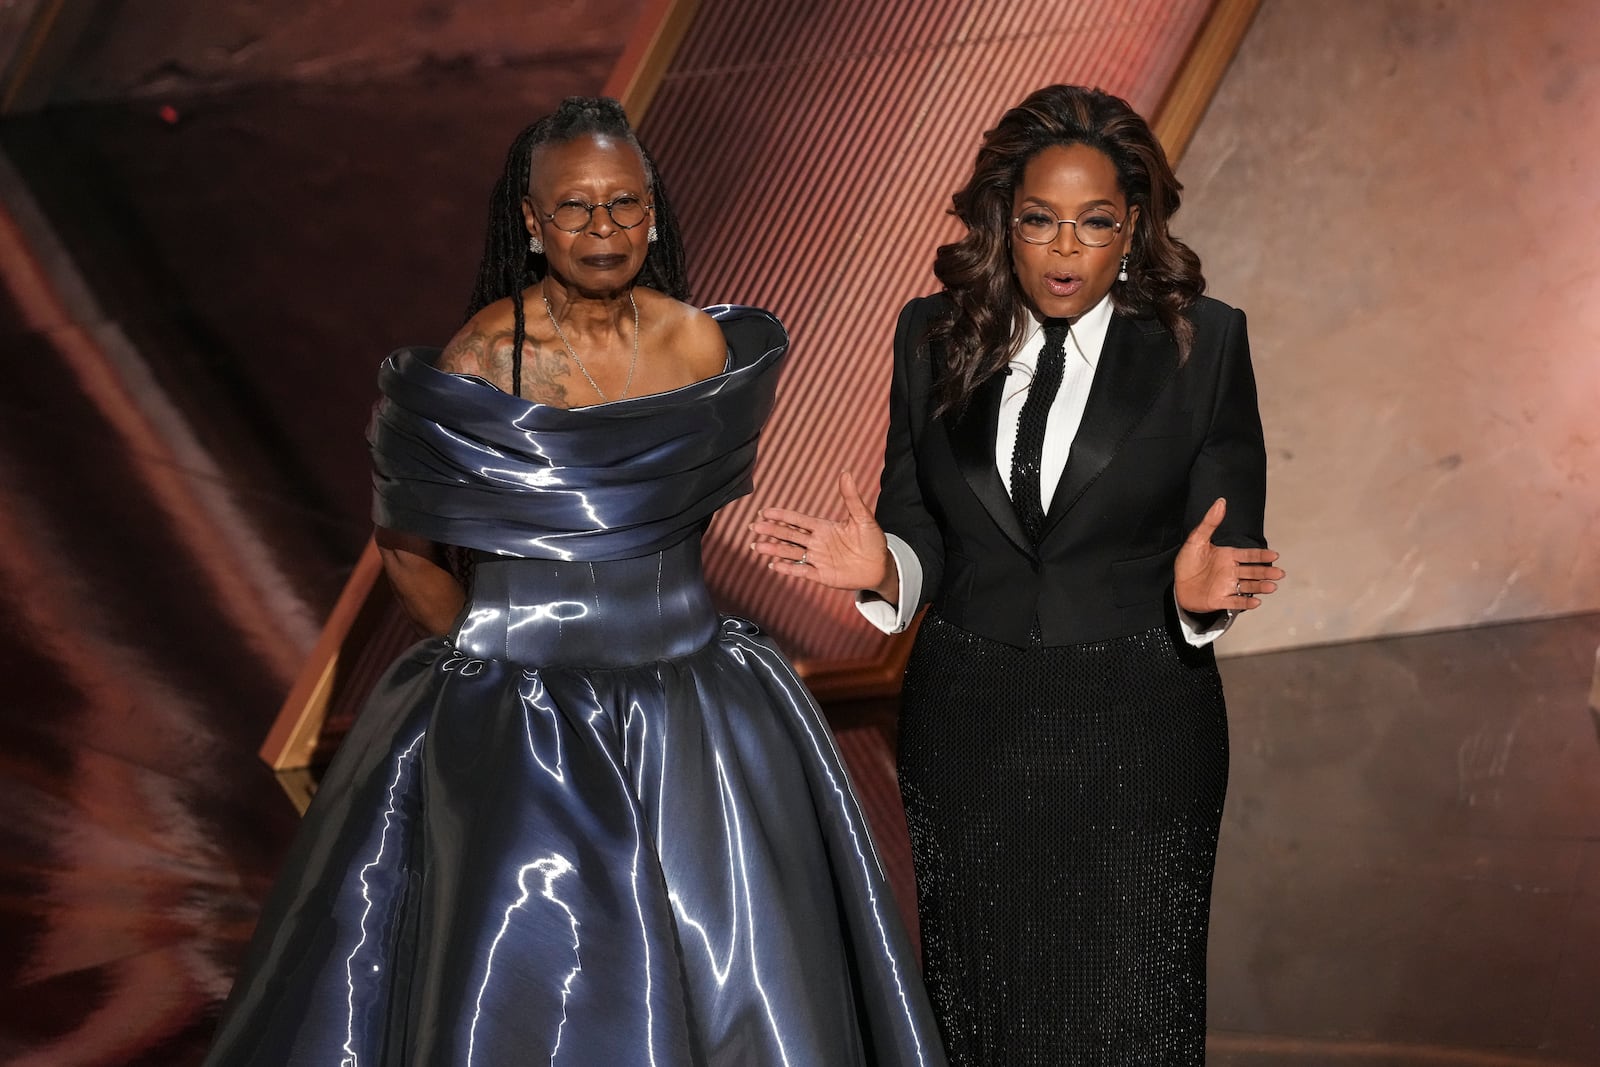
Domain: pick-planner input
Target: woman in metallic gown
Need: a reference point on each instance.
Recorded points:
(589, 821)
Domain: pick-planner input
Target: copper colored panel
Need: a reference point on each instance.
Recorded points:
(811, 150)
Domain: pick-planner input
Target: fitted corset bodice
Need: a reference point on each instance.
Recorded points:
(578, 613)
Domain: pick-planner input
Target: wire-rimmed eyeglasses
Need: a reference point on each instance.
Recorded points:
(1095, 227)
(574, 216)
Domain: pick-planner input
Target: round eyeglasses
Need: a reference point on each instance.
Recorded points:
(574, 215)
(1038, 225)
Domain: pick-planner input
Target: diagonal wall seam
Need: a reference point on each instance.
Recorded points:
(183, 479)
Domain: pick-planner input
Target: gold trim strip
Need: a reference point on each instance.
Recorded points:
(1203, 68)
(648, 53)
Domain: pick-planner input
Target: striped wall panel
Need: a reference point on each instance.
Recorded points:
(810, 149)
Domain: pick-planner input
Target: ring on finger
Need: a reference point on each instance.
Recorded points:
(1237, 589)
(804, 552)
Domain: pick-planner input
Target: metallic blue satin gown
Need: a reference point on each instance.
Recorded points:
(598, 823)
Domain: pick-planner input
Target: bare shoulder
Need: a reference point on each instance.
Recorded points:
(483, 346)
(692, 336)
(703, 343)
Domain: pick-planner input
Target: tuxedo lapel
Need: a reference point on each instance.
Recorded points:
(1136, 364)
(972, 439)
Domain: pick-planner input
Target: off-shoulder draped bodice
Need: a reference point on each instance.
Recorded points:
(459, 462)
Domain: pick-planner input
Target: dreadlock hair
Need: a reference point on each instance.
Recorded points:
(508, 266)
(981, 328)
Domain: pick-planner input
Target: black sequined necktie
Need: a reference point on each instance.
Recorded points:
(1026, 457)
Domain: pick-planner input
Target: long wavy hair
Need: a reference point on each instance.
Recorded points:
(981, 331)
(508, 266)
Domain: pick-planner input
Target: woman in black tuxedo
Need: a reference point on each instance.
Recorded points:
(1074, 483)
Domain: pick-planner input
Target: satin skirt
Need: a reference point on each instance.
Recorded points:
(597, 825)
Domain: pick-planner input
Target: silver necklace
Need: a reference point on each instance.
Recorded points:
(633, 363)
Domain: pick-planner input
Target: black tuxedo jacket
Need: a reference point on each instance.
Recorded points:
(1158, 443)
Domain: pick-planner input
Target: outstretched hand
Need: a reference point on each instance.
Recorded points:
(1210, 577)
(848, 553)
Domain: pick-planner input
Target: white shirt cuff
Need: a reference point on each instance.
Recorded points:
(894, 618)
(1192, 632)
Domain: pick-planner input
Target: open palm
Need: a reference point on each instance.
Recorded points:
(847, 553)
(1210, 577)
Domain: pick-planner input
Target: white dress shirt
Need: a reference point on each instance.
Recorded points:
(1084, 343)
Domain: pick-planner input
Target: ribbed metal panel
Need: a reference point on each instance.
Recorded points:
(811, 149)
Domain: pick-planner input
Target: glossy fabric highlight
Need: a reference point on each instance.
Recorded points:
(459, 462)
(599, 824)
(605, 613)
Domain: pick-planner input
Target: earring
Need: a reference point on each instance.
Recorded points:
(1122, 275)
(536, 246)
(651, 234)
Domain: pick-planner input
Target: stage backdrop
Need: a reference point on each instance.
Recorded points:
(127, 48)
(1403, 196)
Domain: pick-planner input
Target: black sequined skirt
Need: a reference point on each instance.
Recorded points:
(1064, 805)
